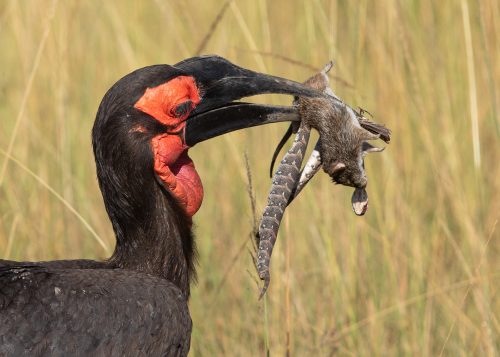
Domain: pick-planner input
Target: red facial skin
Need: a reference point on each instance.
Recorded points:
(171, 161)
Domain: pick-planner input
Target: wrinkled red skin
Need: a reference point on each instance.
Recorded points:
(174, 167)
(171, 161)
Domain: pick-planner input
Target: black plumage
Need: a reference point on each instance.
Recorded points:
(134, 303)
(73, 312)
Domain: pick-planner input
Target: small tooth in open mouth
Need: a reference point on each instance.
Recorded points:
(359, 201)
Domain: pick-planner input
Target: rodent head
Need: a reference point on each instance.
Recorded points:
(343, 147)
(344, 136)
(347, 174)
(349, 170)
(344, 161)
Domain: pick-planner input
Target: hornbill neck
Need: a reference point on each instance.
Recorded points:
(144, 125)
(159, 243)
(153, 233)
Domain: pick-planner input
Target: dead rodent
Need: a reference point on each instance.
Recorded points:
(340, 150)
(343, 141)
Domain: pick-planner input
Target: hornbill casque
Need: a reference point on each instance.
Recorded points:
(136, 302)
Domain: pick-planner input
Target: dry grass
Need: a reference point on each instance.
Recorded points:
(416, 276)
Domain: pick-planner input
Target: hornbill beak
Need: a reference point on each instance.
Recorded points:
(221, 83)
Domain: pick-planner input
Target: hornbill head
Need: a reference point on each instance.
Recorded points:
(150, 118)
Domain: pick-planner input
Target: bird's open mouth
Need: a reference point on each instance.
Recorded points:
(200, 104)
(234, 116)
(221, 83)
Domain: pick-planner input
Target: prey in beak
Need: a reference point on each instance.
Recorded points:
(340, 150)
(199, 101)
(221, 83)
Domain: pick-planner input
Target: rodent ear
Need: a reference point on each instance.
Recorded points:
(366, 147)
(337, 167)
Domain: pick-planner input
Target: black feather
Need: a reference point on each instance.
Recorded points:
(134, 303)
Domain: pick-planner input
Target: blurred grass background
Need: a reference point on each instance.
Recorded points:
(419, 275)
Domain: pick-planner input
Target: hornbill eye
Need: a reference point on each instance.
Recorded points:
(197, 100)
(182, 109)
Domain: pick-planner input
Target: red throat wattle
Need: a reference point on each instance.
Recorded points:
(170, 103)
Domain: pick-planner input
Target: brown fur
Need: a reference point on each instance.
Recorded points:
(341, 138)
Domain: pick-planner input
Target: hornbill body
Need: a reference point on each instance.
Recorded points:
(135, 303)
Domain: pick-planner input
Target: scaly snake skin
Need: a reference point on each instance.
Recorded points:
(282, 190)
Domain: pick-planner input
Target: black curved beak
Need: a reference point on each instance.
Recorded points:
(221, 83)
(226, 119)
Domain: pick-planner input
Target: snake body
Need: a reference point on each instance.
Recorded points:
(282, 191)
(340, 151)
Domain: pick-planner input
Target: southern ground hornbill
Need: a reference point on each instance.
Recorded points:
(135, 303)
